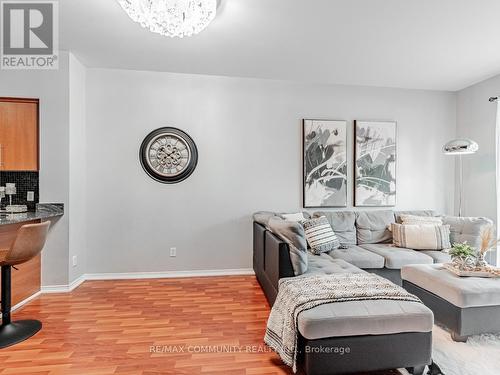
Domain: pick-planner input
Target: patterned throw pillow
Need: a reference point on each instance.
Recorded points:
(320, 235)
(421, 237)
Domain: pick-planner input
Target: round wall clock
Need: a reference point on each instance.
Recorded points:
(168, 155)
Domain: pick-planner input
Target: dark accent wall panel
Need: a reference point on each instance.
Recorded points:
(25, 181)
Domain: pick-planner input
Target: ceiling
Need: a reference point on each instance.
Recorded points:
(423, 44)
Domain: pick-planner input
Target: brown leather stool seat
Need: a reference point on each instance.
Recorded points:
(27, 244)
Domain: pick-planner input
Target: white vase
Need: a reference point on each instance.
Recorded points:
(481, 261)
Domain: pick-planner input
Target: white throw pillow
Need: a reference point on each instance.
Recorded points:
(299, 216)
(421, 237)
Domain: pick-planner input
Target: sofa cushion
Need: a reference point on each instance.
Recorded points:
(373, 226)
(358, 318)
(359, 257)
(324, 264)
(397, 257)
(343, 224)
(466, 229)
(427, 213)
(438, 256)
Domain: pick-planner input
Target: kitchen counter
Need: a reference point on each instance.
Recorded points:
(43, 211)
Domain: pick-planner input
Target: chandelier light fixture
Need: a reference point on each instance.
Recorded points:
(173, 18)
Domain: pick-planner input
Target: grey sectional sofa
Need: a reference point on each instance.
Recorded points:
(368, 241)
(380, 334)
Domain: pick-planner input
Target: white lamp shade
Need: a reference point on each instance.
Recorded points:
(462, 146)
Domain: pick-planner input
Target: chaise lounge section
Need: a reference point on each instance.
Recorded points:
(358, 336)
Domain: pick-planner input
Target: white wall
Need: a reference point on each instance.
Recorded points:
(51, 87)
(249, 137)
(248, 133)
(476, 120)
(77, 209)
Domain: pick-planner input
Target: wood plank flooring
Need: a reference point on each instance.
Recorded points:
(148, 327)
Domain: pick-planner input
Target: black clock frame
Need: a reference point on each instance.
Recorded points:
(165, 179)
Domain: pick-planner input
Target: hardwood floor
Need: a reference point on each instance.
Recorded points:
(160, 326)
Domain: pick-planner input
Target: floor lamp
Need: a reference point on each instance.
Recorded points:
(460, 147)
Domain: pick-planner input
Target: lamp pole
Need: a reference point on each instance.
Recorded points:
(461, 182)
(460, 147)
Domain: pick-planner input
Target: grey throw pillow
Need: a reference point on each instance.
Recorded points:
(292, 233)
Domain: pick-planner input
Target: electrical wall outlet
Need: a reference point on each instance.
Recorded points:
(173, 251)
(30, 196)
(75, 260)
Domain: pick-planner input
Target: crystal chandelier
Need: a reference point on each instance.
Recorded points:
(174, 18)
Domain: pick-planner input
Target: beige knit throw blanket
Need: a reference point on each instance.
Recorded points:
(299, 294)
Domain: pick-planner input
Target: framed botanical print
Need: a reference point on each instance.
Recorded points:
(324, 163)
(375, 164)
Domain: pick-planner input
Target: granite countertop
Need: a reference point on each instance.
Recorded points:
(43, 211)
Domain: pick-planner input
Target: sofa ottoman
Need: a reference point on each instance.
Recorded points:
(359, 336)
(466, 305)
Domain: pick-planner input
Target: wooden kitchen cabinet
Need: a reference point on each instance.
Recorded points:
(19, 134)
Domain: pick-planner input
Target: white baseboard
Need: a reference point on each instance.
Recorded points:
(64, 288)
(25, 301)
(168, 274)
(134, 275)
(144, 275)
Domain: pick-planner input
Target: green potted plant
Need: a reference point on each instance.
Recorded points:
(463, 256)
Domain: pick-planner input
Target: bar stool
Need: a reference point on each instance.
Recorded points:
(28, 243)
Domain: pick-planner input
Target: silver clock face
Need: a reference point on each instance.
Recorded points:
(168, 154)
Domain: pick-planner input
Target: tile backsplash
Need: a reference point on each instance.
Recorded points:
(25, 182)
